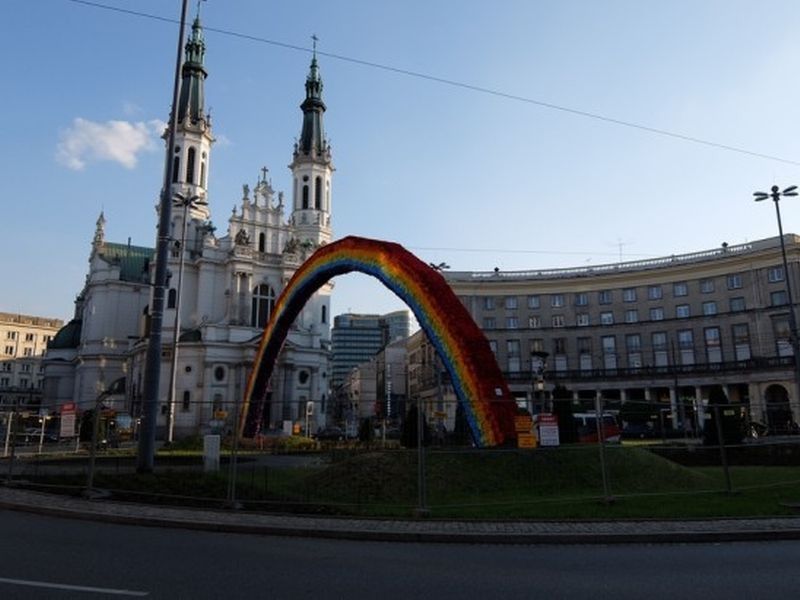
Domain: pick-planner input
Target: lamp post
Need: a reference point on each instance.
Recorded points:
(538, 366)
(145, 457)
(179, 200)
(775, 194)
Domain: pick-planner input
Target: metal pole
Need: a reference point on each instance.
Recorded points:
(231, 500)
(152, 373)
(12, 417)
(41, 433)
(422, 509)
(93, 448)
(8, 433)
(173, 372)
(792, 317)
(602, 447)
(722, 454)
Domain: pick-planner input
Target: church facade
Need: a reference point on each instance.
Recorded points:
(222, 288)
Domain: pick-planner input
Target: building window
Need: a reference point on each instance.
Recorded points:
(5, 381)
(604, 297)
(187, 399)
(709, 308)
(741, 341)
(262, 241)
(318, 193)
(782, 333)
(29, 337)
(489, 323)
(512, 353)
(27, 352)
(680, 289)
(558, 320)
(9, 351)
(581, 299)
(176, 168)
(190, 165)
(172, 298)
(6, 366)
(534, 322)
(629, 295)
(632, 316)
(713, 347)
(305, 197)
(537, 345)
(734, 281)
(633, 344)
(775, 274)
(737, 304)
(11, 335)
(609, 343)
(512, 322)
(262, 305)
(26, 368)
(511, 302)
(657, 314)
(682, 311)
(606, 318)
(534, 302)
(582, 320)
(706, 286)
(654, 292)
(659, 341)
(488, 303)
(686, 345)
(557, 300)
(323, 314)
(778, 298)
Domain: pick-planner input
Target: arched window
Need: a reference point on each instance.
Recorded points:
(190, 166)
(263, 303)
(203, 174)
(176, 168)
(187, 399)
(324, 316)
(172, 298)
(262, 242)
(318, 193)
(305, 196)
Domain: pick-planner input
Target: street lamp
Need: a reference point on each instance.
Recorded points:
(776, 194)
(538, 367)
(178, 201)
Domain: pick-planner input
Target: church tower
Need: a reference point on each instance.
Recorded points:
(312, 167)
(192, 151)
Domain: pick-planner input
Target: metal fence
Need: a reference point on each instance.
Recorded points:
(637, 459)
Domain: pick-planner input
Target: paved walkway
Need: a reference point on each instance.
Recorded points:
(407, 530)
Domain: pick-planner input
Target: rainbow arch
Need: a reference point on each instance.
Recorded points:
(461, 345)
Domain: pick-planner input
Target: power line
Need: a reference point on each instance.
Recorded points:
(459, 84)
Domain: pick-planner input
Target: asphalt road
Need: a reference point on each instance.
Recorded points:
(43, 557)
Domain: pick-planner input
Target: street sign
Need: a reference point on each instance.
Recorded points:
(548, 430)
(526, 440)
(523, 423)
(68, 411)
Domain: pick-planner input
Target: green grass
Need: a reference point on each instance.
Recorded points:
(563, 483)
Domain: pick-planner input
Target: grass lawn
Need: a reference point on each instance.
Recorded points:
(563, 483)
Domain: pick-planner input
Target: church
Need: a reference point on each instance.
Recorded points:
(222, 288)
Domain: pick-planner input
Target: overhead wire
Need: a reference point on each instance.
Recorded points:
(457, 84)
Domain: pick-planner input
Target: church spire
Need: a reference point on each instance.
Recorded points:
(194, 74)
(312, 137)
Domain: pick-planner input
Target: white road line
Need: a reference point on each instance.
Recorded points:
(74, 588)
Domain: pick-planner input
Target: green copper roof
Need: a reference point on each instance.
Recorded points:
(194, 74)
(134, 261)
(312, 136)
(69, 336)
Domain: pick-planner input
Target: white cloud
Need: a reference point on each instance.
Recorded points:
(130, 109)
(222, 141)
(118, 141)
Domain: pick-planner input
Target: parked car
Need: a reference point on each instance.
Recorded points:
(587, 428)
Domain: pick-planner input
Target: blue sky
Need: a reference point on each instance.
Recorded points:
(473, 179)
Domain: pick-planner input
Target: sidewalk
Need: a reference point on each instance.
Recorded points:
(424, 530)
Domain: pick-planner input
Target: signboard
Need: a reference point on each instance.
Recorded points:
(548, 430)
(523, 423)
(526, 440)
(68, 411)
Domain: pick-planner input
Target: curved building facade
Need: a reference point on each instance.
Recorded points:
(654, 330)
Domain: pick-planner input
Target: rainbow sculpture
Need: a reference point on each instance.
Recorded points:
(461, 345)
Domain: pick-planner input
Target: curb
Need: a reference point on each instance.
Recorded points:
(668, 534)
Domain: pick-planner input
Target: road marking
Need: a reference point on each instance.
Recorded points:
(74, 588)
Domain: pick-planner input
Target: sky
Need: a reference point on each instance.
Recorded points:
(479, 134)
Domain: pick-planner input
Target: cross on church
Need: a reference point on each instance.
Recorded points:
(315, 40)
(264, 171)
